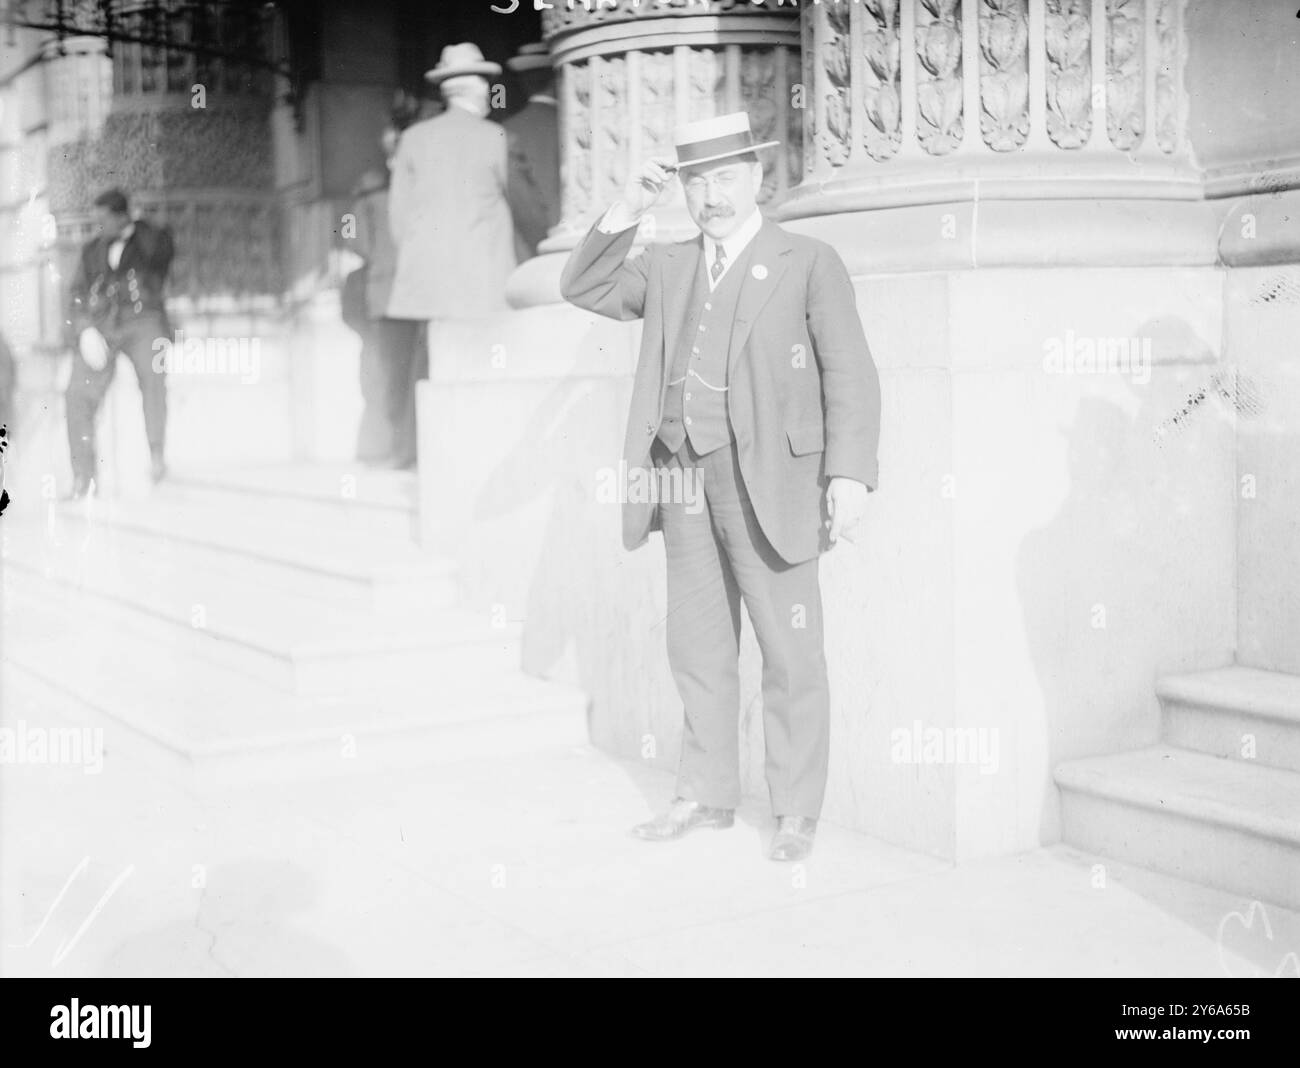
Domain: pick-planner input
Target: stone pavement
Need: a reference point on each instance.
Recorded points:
(521, 864)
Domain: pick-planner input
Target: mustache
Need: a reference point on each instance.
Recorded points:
(719, 213)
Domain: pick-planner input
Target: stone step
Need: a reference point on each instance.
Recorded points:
(366, 571)
(208, 727)
(297, 645)
(1238, 713)
(1223, 823)
(353, 498)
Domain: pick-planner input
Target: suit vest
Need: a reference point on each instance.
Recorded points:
(695, 405)
(134, 288)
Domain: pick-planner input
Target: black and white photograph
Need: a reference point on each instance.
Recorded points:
(651, 489)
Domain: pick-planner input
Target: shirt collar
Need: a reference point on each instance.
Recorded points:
(458, 106)
(737, 241)
(125, 235)
(544, 98)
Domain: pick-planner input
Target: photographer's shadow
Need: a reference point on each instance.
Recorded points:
(244, 927)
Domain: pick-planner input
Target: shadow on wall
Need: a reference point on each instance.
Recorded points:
(1099, 583)
(576, 630)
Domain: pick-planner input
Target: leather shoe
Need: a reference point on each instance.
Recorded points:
(683, 816)
(794, 838)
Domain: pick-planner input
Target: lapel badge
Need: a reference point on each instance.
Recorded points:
(759, 271)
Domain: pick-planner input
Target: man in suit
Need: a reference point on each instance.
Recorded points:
(447, 208)
(117, 306)
(386, 436)
(533, 135)
(755, 379)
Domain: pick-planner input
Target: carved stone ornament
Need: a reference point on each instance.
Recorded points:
(1004, 73)
(1068, 40)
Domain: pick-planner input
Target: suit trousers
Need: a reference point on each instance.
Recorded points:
(407, 341)
(86, 389)
(717, 557)
(390, 365)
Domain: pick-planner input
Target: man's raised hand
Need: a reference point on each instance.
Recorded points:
(645, 187)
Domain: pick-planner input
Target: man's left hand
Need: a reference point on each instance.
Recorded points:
(846, 504)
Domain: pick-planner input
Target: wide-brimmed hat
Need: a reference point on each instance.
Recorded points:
(713, 139)
(530, 57)
(460, 59)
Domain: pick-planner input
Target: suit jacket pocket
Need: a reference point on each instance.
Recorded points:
(807, 439)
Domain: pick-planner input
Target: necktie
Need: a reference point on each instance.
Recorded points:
(719, 263)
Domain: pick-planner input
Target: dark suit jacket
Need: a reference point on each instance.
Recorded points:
(804, 399)
(534, 174)
(106, 298)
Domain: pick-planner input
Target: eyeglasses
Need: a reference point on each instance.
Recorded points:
(724, 180)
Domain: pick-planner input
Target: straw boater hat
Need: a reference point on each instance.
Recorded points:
(459, 60)
(530, 57)
(713, 139)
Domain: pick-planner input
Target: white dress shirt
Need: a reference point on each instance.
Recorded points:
(732, 246)
(115, 247)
